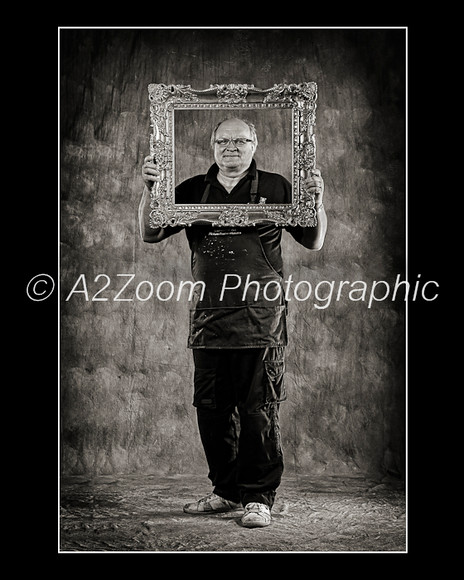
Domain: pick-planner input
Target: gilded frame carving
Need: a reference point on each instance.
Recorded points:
(166, 99)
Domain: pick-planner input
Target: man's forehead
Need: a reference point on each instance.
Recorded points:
(233, 126)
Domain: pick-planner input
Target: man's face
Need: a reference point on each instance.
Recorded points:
(233, 157)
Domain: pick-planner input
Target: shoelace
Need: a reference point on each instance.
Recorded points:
(208, 498)
(258, 508)
(212, 497)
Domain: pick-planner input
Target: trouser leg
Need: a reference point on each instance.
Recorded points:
(237, 395)
(218, 420)
(261, 459)
(260, 451)
(219, 437)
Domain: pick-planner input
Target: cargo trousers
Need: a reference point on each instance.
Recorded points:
(237, 394)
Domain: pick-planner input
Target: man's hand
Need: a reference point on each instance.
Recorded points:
(150, 172)
(316, 186)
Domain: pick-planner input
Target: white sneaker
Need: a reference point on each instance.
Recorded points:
(257, 515)
(212, 503)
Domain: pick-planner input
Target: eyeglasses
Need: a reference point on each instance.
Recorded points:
(240, 141)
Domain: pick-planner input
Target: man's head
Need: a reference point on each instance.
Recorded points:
(234, 143)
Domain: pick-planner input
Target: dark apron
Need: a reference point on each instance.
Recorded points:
(240, 318)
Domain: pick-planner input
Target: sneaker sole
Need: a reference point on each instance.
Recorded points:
(255, 524)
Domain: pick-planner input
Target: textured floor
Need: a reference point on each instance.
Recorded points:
(144, 513)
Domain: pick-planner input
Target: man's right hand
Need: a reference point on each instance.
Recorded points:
(150, 172)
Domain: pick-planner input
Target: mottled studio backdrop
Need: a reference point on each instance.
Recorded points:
(126, 374)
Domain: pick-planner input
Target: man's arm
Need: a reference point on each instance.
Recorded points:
(147, 233)
(151, 235)
(313, 237)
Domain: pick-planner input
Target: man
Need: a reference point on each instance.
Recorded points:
(238, 336)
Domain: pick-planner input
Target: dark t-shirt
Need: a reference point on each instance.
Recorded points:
(274, 188)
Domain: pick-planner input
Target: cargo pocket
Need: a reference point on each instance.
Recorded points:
(204, 388)
(274, 367)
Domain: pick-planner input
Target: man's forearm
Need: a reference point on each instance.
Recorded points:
(311, 238)
(148, 234)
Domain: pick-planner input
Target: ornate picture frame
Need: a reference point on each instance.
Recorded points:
(296, 101)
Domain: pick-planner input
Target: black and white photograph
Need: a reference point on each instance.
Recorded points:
(233, 290)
